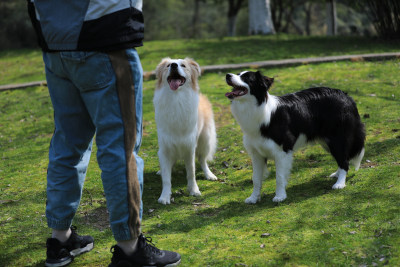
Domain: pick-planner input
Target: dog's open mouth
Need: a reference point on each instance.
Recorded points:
(236, 91)
(175, 81)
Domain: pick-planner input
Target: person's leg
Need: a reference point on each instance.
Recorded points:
(69, 156)
(137, 250)
(106, 85)
(70, 146)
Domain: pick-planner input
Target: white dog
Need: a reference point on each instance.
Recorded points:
(185, 123)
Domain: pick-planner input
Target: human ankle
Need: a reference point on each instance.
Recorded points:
(128, 246)
(61, 235)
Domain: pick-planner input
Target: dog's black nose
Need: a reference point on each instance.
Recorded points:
(174, 66)
(228, 77)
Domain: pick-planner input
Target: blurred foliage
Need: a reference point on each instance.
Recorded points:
(200, 19)
(15, 27)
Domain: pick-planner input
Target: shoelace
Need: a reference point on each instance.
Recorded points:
(148, 245)
(74, 234)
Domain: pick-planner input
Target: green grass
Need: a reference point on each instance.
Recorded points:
(18, 66)
(315, 226)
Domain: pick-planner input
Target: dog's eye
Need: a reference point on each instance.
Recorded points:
(183, 66)
(168, 65)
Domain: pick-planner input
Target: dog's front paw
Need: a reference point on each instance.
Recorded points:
(252, 200)
(211, 177)
(195, 193)
(339, 186)
(194, 190)
(279, 198)
(164, 200)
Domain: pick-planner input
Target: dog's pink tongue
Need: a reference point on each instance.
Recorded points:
(174, 84)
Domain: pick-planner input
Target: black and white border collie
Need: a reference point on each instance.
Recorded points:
(275, 126)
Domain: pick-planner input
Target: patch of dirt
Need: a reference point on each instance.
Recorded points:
(98, 218)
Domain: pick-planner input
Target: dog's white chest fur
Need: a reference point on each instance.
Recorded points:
(250, 117)
(176, 115)
(185, 123)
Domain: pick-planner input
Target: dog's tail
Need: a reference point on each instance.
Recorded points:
(207, 140)
(212, 141)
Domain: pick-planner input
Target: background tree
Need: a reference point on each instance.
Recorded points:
(195, 19)
(178, 19)
(385, 15)
(331, 17)
(282, 13)
(15, 27)
(260, 19)
(233, 10)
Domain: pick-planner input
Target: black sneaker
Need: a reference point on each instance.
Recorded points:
(62, 254)
(146, 255)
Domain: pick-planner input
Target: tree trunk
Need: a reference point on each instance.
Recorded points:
(331, 17)
(195, 19)
(308, 10)
(385, 17)
(260, 21)
(277, 10)
(233, 10)
(231, 26)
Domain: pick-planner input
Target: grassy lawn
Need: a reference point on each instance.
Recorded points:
(19, 66)
(315, 225)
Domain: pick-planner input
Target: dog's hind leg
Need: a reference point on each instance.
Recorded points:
(356, 161)
(206, 146)
(166, 169)
(258, 172)
(335, 174)
(265, 171)
(207, 173)
(190, 175)
(338, 150)
(341, 179)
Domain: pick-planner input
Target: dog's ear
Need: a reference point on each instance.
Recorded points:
(195, 72)
(269, 81)
(160, 68)
(265, 80)
(194, 66)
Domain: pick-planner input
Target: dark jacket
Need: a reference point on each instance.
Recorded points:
(87, 25)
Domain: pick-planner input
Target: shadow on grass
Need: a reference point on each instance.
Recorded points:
(211, 215)
(376, 149)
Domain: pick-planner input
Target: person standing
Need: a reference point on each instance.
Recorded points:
(94, 77)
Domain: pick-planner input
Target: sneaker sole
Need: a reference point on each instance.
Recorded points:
(168, 265)
(59, 264)
(80, 251)
(173, 264)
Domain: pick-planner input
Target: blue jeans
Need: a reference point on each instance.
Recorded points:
(83, 91)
